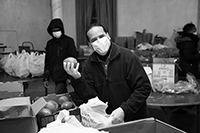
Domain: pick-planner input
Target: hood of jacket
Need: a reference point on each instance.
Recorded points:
(55, 23)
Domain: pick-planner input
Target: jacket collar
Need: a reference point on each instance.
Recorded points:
(115, 51)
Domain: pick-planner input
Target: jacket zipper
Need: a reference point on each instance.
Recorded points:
(106, 70)
(58, 51)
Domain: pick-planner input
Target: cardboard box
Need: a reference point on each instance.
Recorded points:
(164, 68)
(10, 89)
(44, 120)
(149, 125)
(14, 120)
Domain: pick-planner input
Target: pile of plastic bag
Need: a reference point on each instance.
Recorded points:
(189, 86)
(67, 123)
(23, 64)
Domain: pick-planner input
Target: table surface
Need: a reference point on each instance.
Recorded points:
(172, 100)
(4, 77)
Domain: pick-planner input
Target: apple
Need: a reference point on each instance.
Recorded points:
(63, 99)
(67, 105)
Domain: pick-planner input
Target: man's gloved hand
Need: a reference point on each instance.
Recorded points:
(71, 70)
(45, 84)
(117, 116)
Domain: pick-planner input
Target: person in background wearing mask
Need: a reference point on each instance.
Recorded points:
(189, 56)
(58, 48)
(115, 75)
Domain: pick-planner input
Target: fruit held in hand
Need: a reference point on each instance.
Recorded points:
(63, 99)
(71, 60)
(67, 105)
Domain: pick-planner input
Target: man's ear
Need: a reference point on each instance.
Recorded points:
(108, 36)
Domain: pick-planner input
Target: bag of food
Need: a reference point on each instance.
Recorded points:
(8, 66)
(20, 67)
(36, 64)
(3, 61)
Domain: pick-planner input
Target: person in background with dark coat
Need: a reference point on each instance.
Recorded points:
(58, 48)
(187, 43)
(115, 75)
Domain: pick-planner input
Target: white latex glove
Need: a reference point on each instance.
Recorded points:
(71, 70)
(117, 116)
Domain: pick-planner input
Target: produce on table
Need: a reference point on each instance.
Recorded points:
(148, 55)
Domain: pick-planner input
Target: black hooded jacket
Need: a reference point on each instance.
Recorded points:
(58, 49)
(189, 56)
(123, 84)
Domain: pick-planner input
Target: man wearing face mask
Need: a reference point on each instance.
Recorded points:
(187, 43)
(58, 48)
(115, 75)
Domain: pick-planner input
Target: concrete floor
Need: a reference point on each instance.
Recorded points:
(182, 120)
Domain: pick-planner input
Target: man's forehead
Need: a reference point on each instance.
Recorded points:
(95, 31)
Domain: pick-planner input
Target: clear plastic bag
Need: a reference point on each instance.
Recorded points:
(189, 86)
(94, 115)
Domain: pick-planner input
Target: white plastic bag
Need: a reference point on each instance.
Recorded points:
(20, 67)
(67, 123)
(36, 64)
(8, 67)
(93, 114)
(3, 61)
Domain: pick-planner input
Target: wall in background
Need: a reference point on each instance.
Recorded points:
(157, 16)
(29, 18)
(69, 18)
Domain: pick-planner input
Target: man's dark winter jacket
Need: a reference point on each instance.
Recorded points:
(188, 54)
(122, 83)
(56, 51)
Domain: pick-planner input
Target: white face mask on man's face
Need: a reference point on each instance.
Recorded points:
(101, 45)
(57, 34)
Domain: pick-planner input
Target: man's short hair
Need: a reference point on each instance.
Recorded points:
(94, 25)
